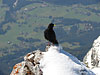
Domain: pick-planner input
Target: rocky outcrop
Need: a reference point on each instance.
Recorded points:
(30, 65)
(92, 58)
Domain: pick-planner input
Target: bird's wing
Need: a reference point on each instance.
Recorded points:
(45, 34)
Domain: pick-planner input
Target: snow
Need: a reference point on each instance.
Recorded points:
(88, 59)
(58, 62)
(30, 56)
(96, 71)
(92, 58)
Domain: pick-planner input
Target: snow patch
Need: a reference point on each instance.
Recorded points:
(58, 62)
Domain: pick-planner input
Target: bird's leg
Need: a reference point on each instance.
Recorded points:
(47, 43)
(47, 47)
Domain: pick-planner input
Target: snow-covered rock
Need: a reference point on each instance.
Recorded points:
(55, 61)
(58, 62)
(92, 58)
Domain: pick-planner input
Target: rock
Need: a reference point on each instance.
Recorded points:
(92, 58)
(30, 65)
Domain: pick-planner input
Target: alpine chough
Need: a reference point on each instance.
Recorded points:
(49, 34)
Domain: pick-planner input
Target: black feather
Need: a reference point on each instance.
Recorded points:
(49, 34)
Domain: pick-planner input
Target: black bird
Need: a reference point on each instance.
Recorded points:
(49, 34)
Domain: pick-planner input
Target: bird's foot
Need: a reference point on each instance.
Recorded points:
(48, 43)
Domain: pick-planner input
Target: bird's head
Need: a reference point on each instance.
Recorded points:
(51, 25)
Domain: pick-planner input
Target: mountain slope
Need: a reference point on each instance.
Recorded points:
(53, 62)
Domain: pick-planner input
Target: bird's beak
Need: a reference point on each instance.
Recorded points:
(54, 25)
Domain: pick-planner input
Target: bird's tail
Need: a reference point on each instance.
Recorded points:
(55, 42)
